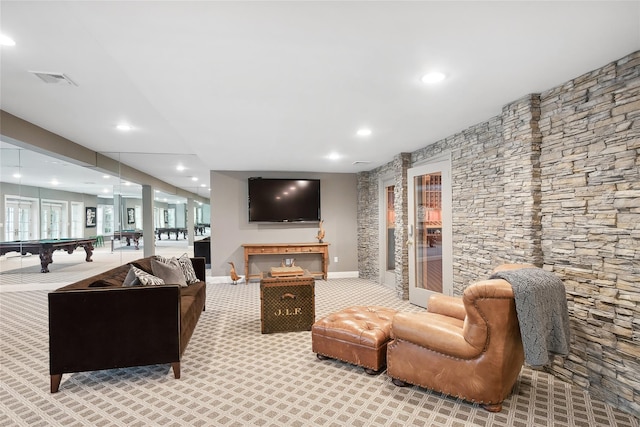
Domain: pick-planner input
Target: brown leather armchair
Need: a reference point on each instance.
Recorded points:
(467, 347)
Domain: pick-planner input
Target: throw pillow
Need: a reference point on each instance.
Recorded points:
(147, 279)
(163, 259)
(131, 279)
(187, 269)
(169, 272)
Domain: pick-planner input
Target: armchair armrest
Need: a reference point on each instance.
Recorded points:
(441, 334)
(447, 306)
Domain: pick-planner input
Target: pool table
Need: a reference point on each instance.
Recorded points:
(170, 230)
(200, 228)
(129, 235)
(46, 247)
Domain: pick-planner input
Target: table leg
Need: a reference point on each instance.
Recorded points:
(246, 266)
(88, 248)
(46, 258)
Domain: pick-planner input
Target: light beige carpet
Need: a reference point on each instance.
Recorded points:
(232, 375)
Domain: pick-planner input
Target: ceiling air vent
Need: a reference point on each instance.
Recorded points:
(53, 78)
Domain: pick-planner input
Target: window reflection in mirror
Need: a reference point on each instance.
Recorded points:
(43, 197)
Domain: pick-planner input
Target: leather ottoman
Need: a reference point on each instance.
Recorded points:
(357, 335)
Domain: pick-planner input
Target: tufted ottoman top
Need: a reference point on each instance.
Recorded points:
(365, 325)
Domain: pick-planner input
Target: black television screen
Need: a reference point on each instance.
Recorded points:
(284, 200)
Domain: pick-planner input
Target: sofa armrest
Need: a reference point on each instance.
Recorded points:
(104, 328)
(200, 267)
(447, 306)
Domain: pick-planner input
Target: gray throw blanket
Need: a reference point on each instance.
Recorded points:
(541, 305)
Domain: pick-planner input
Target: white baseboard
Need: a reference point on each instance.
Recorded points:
(344, 275)
(217, 280)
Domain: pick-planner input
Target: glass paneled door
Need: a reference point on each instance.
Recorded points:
(388, 235)
(430, 237)
(21, 218)
(53, 214)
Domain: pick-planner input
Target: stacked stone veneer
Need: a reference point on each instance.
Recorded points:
(553, 180)
(369, 192)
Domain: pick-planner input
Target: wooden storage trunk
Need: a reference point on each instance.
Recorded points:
(287, 304)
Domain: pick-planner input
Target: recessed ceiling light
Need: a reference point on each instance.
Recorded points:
(124, 127)
(364, 132)
(194, 178)
(180, 168)
(203, 185)
(17, 175)
(106, 176)
(54, 182)
(433, 77)
(6, 40)
(333, 156)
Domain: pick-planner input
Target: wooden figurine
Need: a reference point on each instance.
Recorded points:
(233, 274)
(320, 234)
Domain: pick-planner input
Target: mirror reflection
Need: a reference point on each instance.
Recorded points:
(92, 215)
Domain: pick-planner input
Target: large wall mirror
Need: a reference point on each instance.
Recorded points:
(45, 199)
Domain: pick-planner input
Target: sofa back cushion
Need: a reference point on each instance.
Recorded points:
(110, 278)
(170, 271)
(143, 264)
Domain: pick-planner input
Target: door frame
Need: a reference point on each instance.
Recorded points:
(419, 296)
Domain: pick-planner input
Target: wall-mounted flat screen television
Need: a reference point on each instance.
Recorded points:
(284, 200)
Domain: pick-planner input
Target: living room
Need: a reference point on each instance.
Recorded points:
(550, 180)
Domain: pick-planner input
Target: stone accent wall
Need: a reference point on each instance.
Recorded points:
(553, 180)
(521, 163)
(369, 220)
(400, 164)
(590, 210)
(477, 179)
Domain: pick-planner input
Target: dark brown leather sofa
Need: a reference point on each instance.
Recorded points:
(96, 323)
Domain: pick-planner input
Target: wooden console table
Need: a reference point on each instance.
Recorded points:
(253, 249)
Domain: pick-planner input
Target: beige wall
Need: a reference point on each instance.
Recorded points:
(230, 227)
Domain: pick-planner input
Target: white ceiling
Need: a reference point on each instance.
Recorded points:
(281, 85)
